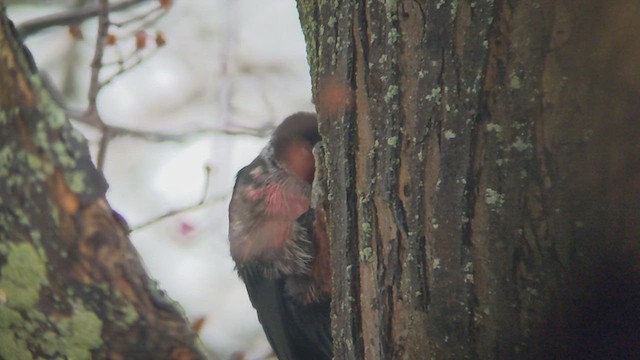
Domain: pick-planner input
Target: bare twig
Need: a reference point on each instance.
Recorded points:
(229, 41)
(143, 22)
(203, 202)
(75, 16)
(96, 63)
(94, 85)
(124, 66)
(178, 137)
(171, 213)
(146, 19)
(107, 136)
(156, 136)
(80, 116)
(207, 176)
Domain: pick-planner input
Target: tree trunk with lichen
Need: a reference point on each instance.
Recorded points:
(71, 284)
(482, 165)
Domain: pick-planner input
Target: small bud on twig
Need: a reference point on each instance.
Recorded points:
(161, 39)
(165, 4)
(111, 39)
(75, 31)
(141, 39)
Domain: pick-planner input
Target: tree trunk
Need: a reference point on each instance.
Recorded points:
(483, 176)
(71, 284)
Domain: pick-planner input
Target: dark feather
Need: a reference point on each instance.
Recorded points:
(295, 331)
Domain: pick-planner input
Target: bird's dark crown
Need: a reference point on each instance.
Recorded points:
(299, 125)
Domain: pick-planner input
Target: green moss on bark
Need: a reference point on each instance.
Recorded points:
(22, 276)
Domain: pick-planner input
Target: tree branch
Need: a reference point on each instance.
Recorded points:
(155, 136)
(64, 18)
(203, 202)
(168, 214)
(96, 63)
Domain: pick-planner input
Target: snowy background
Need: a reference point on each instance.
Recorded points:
(226, 63)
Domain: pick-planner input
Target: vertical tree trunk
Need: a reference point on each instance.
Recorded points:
(71, 284)
(483, 176)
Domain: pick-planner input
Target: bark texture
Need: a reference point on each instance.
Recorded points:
(483, 176)
(71, 284)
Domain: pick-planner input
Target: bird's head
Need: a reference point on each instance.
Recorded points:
(292, 144)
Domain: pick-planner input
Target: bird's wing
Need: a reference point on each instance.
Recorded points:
(266, 297)
(295, 331)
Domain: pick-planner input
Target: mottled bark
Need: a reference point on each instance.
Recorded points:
(71, 284)
(483, 176)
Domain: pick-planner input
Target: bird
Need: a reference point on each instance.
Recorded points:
(278, 240)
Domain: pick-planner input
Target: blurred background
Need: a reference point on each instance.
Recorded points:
(227, 66)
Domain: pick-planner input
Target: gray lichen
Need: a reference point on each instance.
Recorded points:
(494, 199)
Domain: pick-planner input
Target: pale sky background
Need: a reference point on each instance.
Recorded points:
(226, 62)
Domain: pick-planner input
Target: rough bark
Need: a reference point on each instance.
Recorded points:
(71, 284)
(483, 176)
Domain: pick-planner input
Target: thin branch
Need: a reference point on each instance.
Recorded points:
(230, 40)
(144, 21)
(75, 16)
(80, 116)
(154, 136)
(207, 176)
(94, 84)
(107, 136)
(203, 202)
(175, 212)
(96, 63)
(124, 66)
(159, 11)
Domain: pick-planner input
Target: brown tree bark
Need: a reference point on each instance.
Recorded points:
(483, 176)
(71, 284)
